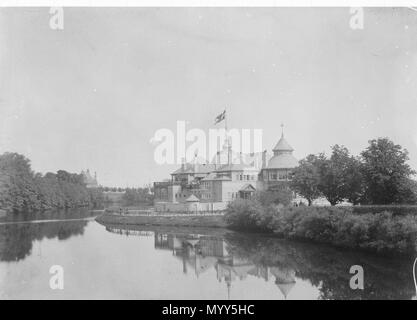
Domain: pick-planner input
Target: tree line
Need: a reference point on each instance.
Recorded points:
(146, 188)
(23, 190)
(379, 175)
(138, 196)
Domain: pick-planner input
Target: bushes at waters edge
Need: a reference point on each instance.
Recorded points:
(380, 232)
(246, 215)
(394, 209)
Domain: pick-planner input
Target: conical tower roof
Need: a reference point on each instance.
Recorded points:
(285, 288)
(282, 158)
(282, 145)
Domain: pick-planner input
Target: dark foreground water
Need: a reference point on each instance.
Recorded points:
(113, 262)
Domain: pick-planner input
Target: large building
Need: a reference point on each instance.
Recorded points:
(210, 187)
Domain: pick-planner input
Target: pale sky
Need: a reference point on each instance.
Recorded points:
(93, 95)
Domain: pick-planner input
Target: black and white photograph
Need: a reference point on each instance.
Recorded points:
(198, 152)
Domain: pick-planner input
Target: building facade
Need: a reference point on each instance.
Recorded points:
(89, 180)
(196, 187)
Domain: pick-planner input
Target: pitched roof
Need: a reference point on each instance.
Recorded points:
(209, 177)
(282, 145)
(191, 168)
(235, 167)
(247, 187)
(192, 198)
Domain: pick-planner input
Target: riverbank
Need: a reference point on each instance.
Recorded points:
(382, 233)
(186, 220)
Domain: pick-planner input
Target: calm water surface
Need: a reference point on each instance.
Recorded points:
(115, 262)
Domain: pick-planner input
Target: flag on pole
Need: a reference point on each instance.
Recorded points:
(220, 117)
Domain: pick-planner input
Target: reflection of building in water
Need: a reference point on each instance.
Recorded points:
(128, 232)
(202, 253)
(198, 252)
(284, 279)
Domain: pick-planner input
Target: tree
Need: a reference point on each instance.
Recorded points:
(331, 182)
(306, 178)
(340, 176)
(387, 173)
(17, 183)
(22, 190)
(137, 196)
(282, 196)
(354, 180)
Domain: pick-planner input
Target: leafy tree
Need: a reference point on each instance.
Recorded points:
(134, 196)
(387, 173)
(18, 188)
(282, 196)
(354, 180)
(306, 178)
(22, 190)
(340, 176)
(331, 182)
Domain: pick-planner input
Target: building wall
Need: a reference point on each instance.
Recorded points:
(230, 189)
(189, 207)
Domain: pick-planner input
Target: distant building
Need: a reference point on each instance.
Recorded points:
(89, 180)
(210, 187)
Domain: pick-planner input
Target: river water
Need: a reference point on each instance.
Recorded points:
(120, 262)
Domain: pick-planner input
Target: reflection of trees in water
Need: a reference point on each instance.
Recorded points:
(49, 215)
(328, 268)
(16, 240)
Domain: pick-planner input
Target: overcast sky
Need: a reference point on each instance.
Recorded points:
(93, 95)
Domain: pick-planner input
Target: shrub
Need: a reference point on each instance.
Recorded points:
(247, 215)
(282, 196)
(394, 209)
(381, 232)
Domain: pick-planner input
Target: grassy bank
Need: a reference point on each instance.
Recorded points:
(161, 220)
(382, 232)
(376, 232)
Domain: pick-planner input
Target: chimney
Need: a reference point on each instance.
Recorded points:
(183, 164)
(264, 159)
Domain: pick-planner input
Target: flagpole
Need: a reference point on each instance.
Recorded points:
(225, 120)
(227, 137)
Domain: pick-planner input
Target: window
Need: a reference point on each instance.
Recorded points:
(282, 176)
